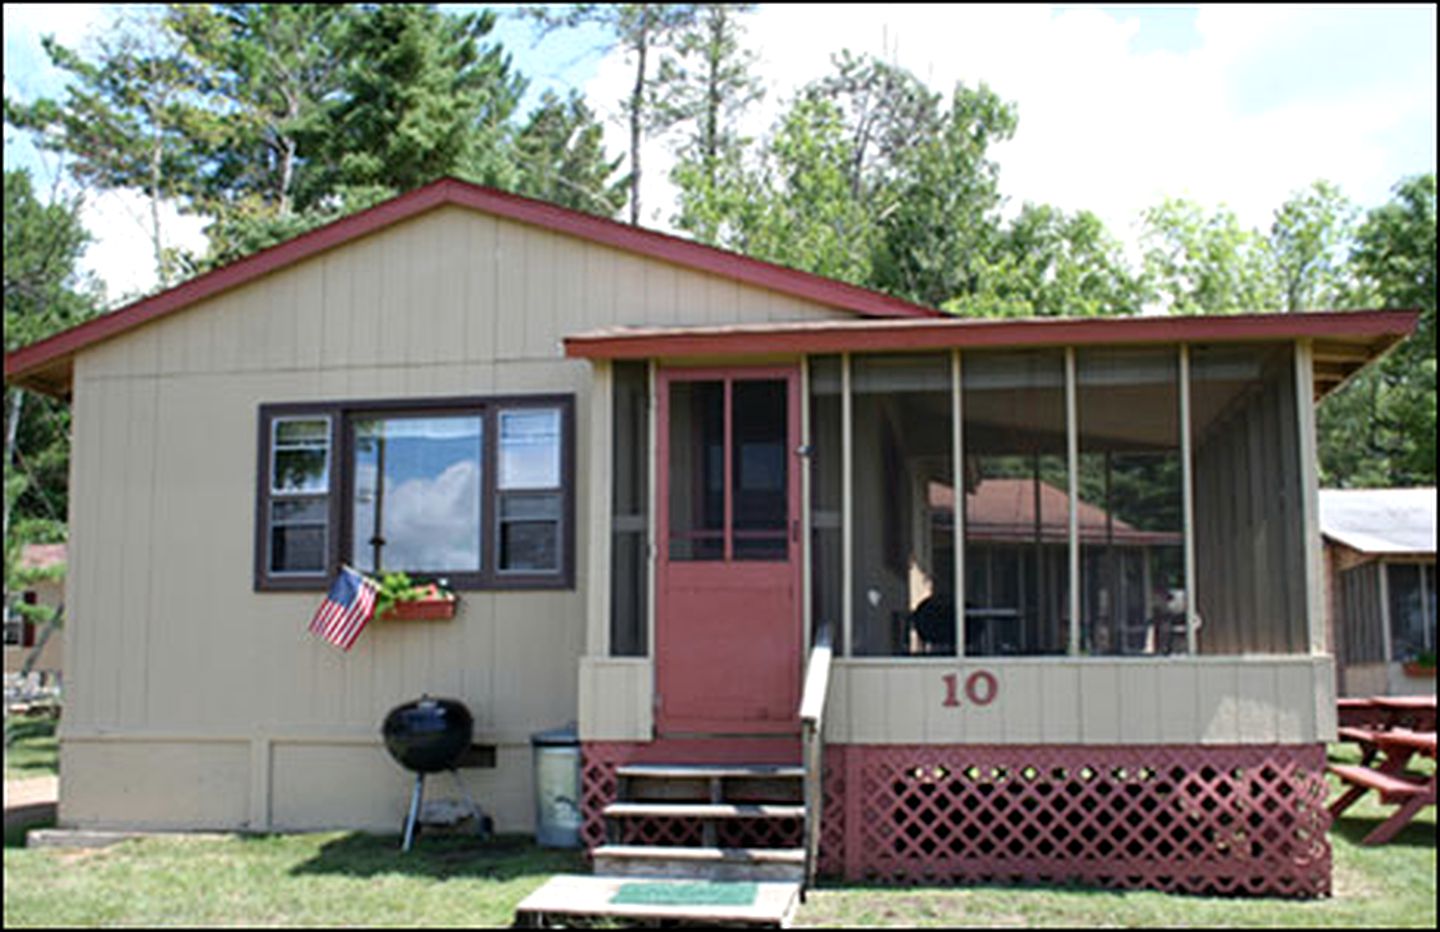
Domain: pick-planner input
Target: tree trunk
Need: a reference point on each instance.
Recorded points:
(637, 105)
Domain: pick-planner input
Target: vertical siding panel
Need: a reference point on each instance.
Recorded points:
(171, 347)
(904, 704)
(1060, 701)
(514, 297)
(199, 335)
(277, 309)
(482, 288)
(363, 265)
(1256, 695)
(600, 298)
(225, 324)
(449, 332)
(338, 317)
(570, 312)
(1100, 703)
(1175, 706)
(1218, 691)
(309, 310)
(837, 705)
(632, 308)
(84, 619)
(662, 294)
(140, 354)
(396, 297)
(542, 268)
(136, 609)
(1139, 683)
(109, 602)
(1294, 708)
(1022, 702)
(867, 704)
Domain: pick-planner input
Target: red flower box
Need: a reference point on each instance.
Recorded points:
(1419, 669)
(431, 606)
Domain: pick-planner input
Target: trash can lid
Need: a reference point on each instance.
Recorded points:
(565, 736)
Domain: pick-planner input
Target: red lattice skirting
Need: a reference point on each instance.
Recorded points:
(1194, 819)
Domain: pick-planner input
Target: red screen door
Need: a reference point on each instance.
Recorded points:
(728, 633)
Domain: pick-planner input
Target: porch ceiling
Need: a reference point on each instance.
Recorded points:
(1343, 341)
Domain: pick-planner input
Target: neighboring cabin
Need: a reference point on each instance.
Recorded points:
(655, 472)
(47, 591)
(1380, 576)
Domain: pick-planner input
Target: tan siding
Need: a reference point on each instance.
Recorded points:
(1093, 701)
(615, 699)
(166, 636)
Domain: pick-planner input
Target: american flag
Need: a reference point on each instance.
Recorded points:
(348, 605)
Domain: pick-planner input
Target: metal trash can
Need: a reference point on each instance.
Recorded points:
(557, 787)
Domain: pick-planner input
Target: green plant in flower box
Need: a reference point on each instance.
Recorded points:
(395, 588)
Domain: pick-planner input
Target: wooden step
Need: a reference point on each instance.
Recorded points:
(704, 810)
(567, 897)
(710, 771)
(710, 863)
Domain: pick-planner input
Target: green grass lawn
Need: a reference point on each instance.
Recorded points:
(354, 879)
(35, 752)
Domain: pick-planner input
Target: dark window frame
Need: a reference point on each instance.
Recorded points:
(343, 415)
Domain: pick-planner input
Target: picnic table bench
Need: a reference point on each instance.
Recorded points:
(1412, 792)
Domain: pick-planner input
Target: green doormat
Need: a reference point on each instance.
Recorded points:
(690, 893)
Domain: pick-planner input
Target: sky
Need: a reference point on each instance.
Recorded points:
(1119, 107)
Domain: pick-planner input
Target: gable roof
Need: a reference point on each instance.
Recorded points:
(45, 366)
(1380, 520)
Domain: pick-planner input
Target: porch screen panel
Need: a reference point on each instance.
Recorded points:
(1016, 503)
(826, 556)
(630, 497)
(1249, 530)
(903, 540)
(1358, 634)
(1132, 554)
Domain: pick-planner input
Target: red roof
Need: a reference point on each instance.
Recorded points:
(1004, 510)
(1343, 341)
(45, 365)
(41, 556)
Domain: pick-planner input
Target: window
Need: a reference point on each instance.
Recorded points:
(1411, 590)
(479, 491)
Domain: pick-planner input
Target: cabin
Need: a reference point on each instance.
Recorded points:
(1379, 552)
(26, 638)
(710, 510)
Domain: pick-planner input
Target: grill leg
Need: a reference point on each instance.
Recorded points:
(415, 796)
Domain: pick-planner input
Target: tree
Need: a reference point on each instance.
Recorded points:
(704, 86)
(44, 294)
(128, 119)
(1310, 240)
(640, 29)
(1050, 264)
(1196, 264)
(422, 98)
(1379, 429)
(269, 75)
(560, 156)
(938, 212)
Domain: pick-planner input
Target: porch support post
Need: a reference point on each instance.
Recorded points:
(1309, 492)
(804, 463)
(957, 482)
(847, 507)
(1072, 467)
(1187, 482)
(652, 509)
(602, 507)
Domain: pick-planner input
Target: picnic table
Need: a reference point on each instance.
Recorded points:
(1411, 792)
(1384, 712)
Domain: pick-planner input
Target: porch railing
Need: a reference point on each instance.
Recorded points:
(812, 743)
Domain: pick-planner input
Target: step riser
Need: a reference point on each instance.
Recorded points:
(690, 870)
(657, 789)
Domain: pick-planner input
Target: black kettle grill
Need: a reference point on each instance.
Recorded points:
(427, 736)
